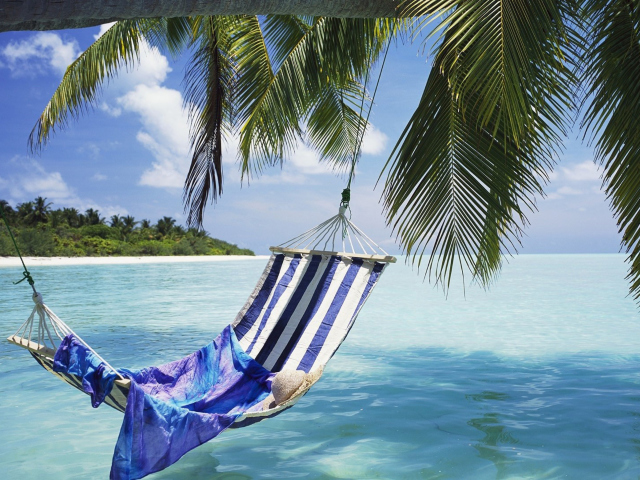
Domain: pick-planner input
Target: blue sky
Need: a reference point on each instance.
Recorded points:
(130, 156)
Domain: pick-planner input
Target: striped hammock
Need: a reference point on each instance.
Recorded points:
(302, 308)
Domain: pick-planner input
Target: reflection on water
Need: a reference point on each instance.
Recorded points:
(490, 446)
(496, 435)
(421, 389)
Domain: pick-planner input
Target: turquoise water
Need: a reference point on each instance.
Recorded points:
(537, 378)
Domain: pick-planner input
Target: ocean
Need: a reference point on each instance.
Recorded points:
(536, 378)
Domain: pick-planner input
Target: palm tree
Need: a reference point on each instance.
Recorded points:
(41, 210)
(274, 82)
(9, 212)
(92, 217)
(145, 223)
(129, 224)
(72, 216)
(25, 212)
(165, 225)
(116, 222)
(197, 232)
(508, 81)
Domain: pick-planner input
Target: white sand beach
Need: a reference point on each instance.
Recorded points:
(62, 261)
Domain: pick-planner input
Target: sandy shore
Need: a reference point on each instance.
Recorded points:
(61, 261)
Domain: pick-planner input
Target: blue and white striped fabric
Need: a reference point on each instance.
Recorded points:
(303, 307)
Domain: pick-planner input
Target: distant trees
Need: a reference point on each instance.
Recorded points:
(165, 225)
(42, 231)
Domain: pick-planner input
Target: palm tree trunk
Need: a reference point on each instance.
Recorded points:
(62, 14)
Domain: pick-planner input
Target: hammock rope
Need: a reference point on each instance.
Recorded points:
(25, 274)
(301, 310)
(357, 148)
(44, 337)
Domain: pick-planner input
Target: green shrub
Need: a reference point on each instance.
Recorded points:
(183, 248)
(96, 246)
(36, 243)
(154, 247)
(101, 231)
(6, 246)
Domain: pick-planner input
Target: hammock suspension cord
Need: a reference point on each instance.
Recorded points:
(25, 274)
(44, 335)
(346, 193)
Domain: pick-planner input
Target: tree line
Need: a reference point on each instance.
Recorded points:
(41, 230)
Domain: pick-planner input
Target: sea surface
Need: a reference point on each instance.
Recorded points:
(538, 377)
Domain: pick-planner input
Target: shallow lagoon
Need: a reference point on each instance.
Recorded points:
(537, 378)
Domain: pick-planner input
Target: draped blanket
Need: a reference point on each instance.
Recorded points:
(173, 408)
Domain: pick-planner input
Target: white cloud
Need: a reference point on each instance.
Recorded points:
(89, 149)
(38, 54)
(151, 70)
(306, 161)
(109, 110)
(99, 177)
(165, 133)
(35, 180)
(581, 172)
(103, 29)
(374, 141)
(569, 191)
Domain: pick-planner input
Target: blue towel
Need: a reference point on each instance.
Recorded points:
(173, 408)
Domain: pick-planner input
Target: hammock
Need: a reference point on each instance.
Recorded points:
(302, 308)
(304, 305)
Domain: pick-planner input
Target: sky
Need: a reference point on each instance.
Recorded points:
(130, 155)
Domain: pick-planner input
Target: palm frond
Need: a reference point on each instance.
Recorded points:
(612, 71)
(209, 82)
(315, 59)
(455, 189)
(334, 124)
(479, 146)
(82, 81)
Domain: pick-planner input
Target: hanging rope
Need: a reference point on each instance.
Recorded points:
(346, 193)
(25, 275)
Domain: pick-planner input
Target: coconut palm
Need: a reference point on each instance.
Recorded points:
(129, 224)
(92, 217)
(165, 225)
(8, 210)
(41, 210)
(509, 78)
(25, 212)
(116, 222)
(73, 217)
(273, 82)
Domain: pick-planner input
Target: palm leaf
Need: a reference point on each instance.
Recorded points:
(612, 71)
(209, 79)
(318, 61)
(479, 146)
(82, 82)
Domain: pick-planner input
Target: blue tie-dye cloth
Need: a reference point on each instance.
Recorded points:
(173, 408)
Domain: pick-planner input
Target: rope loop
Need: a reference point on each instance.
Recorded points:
(346, 193)
(346, 197)
(25, 276)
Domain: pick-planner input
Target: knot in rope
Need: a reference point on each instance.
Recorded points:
(346, 197)
(25, 276)
(37, 298)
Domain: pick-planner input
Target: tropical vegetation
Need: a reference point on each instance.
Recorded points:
(40, 230)
(509, 80)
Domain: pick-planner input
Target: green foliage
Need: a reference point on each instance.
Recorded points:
(101, 231)
(63, 233)
(36, 242)
(509, 78)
